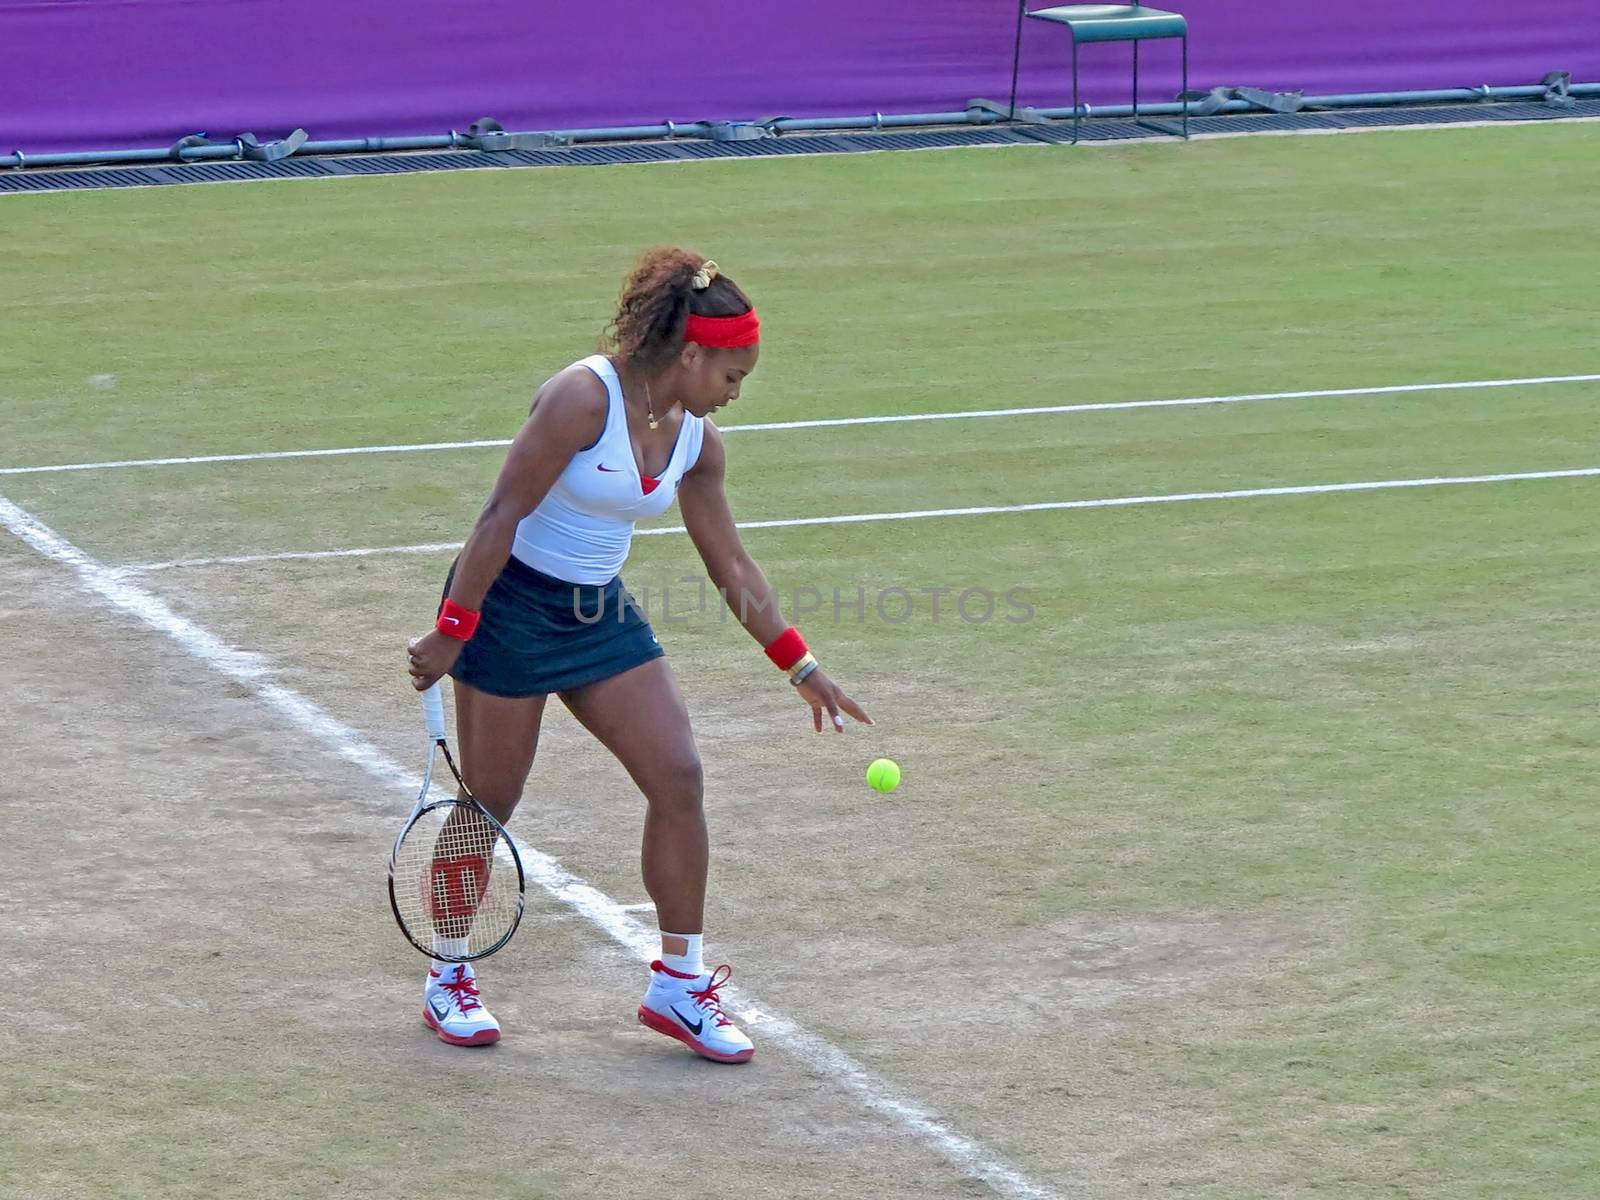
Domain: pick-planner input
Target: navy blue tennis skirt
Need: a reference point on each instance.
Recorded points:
(539, 634)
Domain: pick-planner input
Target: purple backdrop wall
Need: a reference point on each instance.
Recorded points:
(82, 74)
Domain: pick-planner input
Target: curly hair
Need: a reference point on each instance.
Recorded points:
(658, 297)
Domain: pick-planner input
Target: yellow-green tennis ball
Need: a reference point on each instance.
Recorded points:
(883, 775)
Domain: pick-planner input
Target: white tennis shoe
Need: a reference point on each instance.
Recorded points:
(688, 1008)
(451, 1008)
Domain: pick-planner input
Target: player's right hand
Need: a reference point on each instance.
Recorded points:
(431, 656)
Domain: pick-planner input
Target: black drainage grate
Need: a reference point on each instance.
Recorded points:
(1096, 129)
(54, 181)
(394, 164)
(231, 172)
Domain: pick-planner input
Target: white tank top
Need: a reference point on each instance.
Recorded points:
(583, 528)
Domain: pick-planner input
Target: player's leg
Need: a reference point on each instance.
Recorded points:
(497, 738)
(641, 718)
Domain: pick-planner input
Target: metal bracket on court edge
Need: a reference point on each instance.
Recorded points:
(1206, 104)
(1557, 89)
(1028, 116)
(252, 148)
(175, 151)
(739, 131)
(488, 134)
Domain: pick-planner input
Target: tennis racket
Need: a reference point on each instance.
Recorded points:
(455, 878)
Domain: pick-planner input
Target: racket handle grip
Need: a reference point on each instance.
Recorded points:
(433, 712)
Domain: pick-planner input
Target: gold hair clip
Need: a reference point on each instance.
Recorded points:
(703, 277)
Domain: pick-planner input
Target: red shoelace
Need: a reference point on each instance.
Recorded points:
(463, 989)
(707, 997)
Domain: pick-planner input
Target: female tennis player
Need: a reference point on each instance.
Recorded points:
(534, 607)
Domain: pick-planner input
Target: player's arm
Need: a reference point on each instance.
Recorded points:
(709, 520)
(568, 414)
(703, 500)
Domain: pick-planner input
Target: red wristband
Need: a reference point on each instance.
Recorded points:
(788, 649)
(456, 622)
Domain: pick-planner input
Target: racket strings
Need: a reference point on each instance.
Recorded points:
(446, 885)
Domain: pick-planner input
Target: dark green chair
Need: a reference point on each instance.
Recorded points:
(1109, 23)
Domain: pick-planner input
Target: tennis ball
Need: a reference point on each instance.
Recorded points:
(883, 775)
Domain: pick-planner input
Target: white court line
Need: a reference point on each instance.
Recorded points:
(829, 423)
(252, 671)
(260, 457)
(1313, 489)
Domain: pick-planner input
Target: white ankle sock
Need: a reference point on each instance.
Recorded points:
(687, 963)
(443, 945)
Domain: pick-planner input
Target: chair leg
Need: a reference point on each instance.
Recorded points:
(1156, 125)
(1186, 87)
(1016, 60)
(1137, 123)
(1135, 82)
(1076, 113)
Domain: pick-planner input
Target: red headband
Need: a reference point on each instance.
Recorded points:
(723, 333)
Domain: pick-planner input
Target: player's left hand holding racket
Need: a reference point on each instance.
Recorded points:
(455, 878)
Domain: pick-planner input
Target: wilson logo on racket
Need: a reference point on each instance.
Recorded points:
(456, 886)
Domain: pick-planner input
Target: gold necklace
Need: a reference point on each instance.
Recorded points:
(649, 410)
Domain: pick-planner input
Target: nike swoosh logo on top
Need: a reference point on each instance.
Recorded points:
(692, 1026)
(452, 620)
(608, 470)
(440, 1005)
